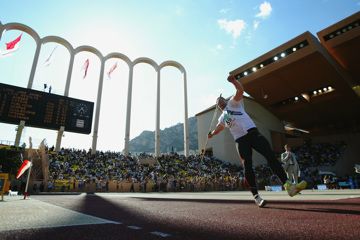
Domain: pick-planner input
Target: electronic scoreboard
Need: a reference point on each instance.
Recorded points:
(44, 110)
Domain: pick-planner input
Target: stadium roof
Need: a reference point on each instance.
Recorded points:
(308, 86)
(342, 40)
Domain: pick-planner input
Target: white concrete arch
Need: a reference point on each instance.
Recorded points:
(36, 37)
(131, 64)
(24, 28)
(171, 63)
(157, 125)
(1, 28)
(120, 56)
(93, 50)
(69, 47)
(59, 40)
(147, 61)
(129, 96)
(71, 50)
(86, 48)
(177, 65)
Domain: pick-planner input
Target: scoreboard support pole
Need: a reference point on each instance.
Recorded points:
(19, 130)
(59, 137)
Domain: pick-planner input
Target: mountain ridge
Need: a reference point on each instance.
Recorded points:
(171, 139)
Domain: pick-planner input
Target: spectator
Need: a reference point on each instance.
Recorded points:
(290, 164)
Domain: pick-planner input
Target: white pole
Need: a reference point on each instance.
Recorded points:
(30, 153)
(186, 127)
(19, 132)
(34, 64)
(66, 94)
(59, 137)
(30, 82)
(128, 113)
(98, 105)
(157, 127)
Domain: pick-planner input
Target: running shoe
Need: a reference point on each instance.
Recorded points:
(301, 186)
(294, 189)
(259, 201)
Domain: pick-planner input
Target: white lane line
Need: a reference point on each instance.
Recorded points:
(134, 227)
(161, 234)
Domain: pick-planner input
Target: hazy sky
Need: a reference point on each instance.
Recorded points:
(209, 38)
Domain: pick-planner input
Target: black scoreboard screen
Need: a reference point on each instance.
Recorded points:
(44, 110)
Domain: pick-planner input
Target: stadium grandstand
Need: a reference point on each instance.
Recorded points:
(70, 169)
(303, 91)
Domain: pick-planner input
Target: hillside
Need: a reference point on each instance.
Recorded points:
(171, 138)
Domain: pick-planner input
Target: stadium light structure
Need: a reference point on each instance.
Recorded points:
(306, 96)
(323, 90)
(342, 30)
(273, 59)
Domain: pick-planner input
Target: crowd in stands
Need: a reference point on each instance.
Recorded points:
(314, 156)
(170, 172)
(174, 172)
(319, 154)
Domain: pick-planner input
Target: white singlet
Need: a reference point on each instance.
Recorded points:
(236, 119)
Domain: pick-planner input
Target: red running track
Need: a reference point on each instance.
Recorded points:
(201, 219)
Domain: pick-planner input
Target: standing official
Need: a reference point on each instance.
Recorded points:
(290, 164)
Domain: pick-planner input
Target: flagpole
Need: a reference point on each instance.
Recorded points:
(26, 194)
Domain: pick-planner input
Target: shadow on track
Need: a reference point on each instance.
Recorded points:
(274, 204)
(198, 218)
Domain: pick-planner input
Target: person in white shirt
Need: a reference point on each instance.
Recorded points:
(290, 164)
(247, 137)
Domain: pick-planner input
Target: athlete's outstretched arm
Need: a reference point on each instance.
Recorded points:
(217, 129)
(239, 88)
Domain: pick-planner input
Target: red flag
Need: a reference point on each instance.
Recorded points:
(111, 70)
(12, 44)
(24, 166)
(11, 47)
(85, 67)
